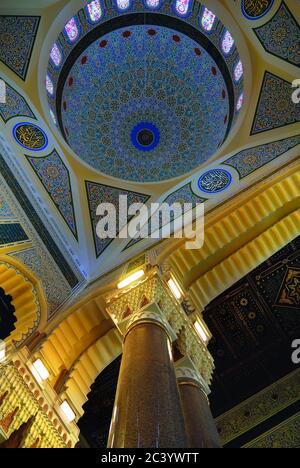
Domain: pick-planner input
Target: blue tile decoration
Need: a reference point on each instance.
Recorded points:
(15, 106)
(12, 233)
(98, 193)
(5, 210)
(256, 9)
(17, 38)
(55, 177)
(281, 36)
(247, 161)
(184, 195)
(30, 136)
(72, 278)
(275, 107)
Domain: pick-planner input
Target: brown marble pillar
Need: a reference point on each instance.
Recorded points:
(147, 410)
(200, 426)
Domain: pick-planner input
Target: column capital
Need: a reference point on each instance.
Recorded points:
(187, 374)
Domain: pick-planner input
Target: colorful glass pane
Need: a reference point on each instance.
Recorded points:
(182, 7)
(55, 55)
(95, 10)
(238, 71)
(227, 43)
(123, 4)
(72, 29)
(240, 102)
(152, 3)
(53, 116)
(49, 85)
(208, 19)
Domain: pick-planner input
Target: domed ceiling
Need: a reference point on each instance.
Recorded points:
(146, 94)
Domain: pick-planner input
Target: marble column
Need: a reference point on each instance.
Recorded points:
(147, 411)
(200, 426)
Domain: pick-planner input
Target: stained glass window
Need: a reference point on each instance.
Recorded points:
(53, 116)
(56, 55)
(49, 85)
(72, 30)
(152, 3)
(95, 10)
(208, 19)
(123, 4)
(240, 102)
(227, 43)
(238, 71)
(182, 7)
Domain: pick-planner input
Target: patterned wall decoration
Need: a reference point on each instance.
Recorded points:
(256, 9)
(70, 273)
(249, 160)
(56, 288)
(285, 435)
(253, 325)
(17, 38)
(184, 195)
(275, 106)
(30, 136)
(55, 177)
(15, 106)
(12, 233)
(5, 210)
(281, 36)
(98, 193)
(7, 317)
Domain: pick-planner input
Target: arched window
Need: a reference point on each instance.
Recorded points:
(238, 71)
(49, 85)
(55, 55)
(53, 116)
(123, 4)
(240, 102)
(72, 30)
(182, 7)
(153, 3)
(208, 20)
(95, 10)
(227, 43)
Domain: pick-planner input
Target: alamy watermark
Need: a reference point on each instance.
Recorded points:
(296, 352)
(157, 221)
(296, 93)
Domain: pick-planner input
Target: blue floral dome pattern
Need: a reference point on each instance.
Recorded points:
(144, 96)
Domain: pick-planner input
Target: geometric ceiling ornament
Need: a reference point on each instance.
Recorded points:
(7, 317)
(15, 106)
(30, 136)
(281, 36)
(184, 195)
(148, 118)
(256, 9)
(55, 178)
(17, 37)
(289, 295)
(99, 193)
(249, 160)
(275, 107)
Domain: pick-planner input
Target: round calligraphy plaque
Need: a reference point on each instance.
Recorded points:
(256, 9)
(30, 136)
(215, 181)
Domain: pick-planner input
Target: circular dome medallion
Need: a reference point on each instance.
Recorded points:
(215, 181)
(145, 136)
(30, 136)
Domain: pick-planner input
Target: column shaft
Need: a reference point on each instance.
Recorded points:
(147, 410)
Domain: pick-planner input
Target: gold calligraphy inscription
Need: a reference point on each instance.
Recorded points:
(30, 136)
(256, 8)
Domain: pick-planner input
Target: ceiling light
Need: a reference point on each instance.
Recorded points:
(134, 277)
(201, 331)
(68, 412)
(41, 370)
(175, 289)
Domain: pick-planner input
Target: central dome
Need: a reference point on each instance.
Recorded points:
(144, 99)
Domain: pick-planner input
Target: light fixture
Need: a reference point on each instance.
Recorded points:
(175, 289)
(40, 368)
(201, 331)
(68, 412)
(2, 351)
(131, 279)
